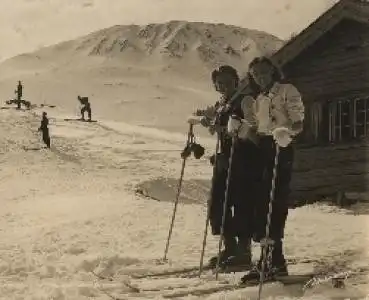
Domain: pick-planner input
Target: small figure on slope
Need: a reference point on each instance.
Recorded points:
(19, 92)
(222, 119)
(86, 107)
(45, 130)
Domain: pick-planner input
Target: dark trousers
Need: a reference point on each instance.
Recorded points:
(244, 188)
(19, 101)
(86, 109)
(46, 137)
(281, 192)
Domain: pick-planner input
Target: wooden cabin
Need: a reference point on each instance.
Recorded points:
(329, 63)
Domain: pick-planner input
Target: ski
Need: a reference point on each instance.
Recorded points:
(294, 283)
(202, 287)
(193, 271)
(190, 272)
(295, 279)
(134, 289)
(202, 291)
(33, 148)
(182, 271)
(299, 280)
(81, 120)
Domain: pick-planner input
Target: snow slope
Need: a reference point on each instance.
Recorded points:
(71, 210)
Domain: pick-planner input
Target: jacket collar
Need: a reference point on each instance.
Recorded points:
(273, 90)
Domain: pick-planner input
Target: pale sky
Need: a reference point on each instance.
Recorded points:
(29, 24)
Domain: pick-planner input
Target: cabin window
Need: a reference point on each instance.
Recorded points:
(361, 117)
(348, 119)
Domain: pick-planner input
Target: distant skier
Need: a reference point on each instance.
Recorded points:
(245, 172)
(45, 130)
(19, 92)
(86, 107)
(280, 116)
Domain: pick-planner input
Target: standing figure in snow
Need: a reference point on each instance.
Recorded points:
(245, 171)
(45, 130)
(280, 115)
(86, 107)
(19, 92)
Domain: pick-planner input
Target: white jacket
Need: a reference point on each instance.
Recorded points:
(282, 106)
(249, 123)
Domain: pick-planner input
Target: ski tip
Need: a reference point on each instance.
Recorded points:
(295, 279)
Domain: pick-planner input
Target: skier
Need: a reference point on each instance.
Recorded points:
(45, 130)
(19, 92)
(243, 185)
(280, 116)
(86, 107)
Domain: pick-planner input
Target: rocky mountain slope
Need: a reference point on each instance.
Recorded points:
(175, 43)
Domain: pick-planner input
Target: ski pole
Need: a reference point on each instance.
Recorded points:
(269, 217)
(209, 206)
(225, 205)
(189, 140)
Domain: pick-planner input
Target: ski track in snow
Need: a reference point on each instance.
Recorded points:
(72, 210)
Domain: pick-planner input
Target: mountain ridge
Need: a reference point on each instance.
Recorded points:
(169, 43)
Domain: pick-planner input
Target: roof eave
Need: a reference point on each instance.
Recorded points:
(313, 32)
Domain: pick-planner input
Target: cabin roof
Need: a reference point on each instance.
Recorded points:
(357, 10)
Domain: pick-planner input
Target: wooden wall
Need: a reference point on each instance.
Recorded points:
(323, 171)
(335, 67)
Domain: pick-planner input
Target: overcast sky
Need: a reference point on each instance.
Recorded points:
(29, 24)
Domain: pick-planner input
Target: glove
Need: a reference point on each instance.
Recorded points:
(186, 152)
(205, 122)
(234, 125)
(193, 120)
(198, 150)
(212, 129)
(282, 136)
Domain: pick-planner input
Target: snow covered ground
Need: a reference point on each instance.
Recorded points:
(72, 210)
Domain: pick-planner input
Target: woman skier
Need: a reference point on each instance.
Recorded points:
(245, 177)
(280, 115)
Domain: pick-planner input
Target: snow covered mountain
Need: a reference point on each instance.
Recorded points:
(175, 43)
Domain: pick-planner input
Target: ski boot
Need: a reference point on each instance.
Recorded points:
(241, 261)
(276, 266)
(230, 249)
